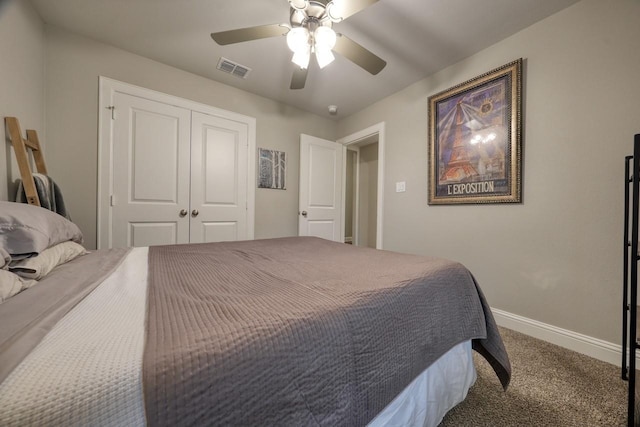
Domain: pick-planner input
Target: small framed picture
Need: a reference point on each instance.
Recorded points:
(272, 166)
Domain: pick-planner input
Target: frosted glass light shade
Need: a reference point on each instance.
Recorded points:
(298, 39)
(301, 58)
(298, 4)
(325, 38)
(324, 57)
(335, 10)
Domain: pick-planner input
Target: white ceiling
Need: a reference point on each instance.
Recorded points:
(416, 37)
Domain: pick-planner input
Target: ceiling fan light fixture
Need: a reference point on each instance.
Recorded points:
(298, 39)
(309, 32)
(324, 57)
(301, 58)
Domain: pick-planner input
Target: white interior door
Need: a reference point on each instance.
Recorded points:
(151, 146)
(219, 150)
(321, 169)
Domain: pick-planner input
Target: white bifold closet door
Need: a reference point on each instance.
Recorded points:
(218, 179)
(179, 175)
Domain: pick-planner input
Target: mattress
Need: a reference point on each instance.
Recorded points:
(87, 370)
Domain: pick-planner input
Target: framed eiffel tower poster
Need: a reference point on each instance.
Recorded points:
(475, 140)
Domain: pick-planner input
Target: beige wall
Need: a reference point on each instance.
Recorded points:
(21, 80)
(556, 257)
(74, 64)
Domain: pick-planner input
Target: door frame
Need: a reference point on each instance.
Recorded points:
(107, 89)
(355, 223)
(377, 130)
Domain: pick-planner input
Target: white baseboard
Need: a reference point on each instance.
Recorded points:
(594, 347)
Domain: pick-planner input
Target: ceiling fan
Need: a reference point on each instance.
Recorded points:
(310, 32)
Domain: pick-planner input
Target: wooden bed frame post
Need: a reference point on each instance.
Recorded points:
(20, 146)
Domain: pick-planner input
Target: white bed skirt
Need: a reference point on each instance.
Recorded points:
(425, 401)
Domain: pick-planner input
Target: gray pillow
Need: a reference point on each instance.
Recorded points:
(27, 230)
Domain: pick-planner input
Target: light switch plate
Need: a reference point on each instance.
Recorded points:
(401, 187)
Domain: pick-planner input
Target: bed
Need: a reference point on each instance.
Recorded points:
(290, 331)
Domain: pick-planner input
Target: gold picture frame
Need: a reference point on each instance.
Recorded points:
(475, 147)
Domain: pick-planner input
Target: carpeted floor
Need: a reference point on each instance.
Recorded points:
(550, 386)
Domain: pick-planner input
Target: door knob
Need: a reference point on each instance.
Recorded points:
(194, 212)
(183, 213)
(303, 213)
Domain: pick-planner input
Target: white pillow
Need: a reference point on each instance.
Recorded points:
(5, 259)
(39, 266)
(11, 284)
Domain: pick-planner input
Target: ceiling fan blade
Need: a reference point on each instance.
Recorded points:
(248, 34)
(351, 7)
(359, 55)
(299, 78)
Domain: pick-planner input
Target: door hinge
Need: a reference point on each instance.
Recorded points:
(113, 111)
(112, 200)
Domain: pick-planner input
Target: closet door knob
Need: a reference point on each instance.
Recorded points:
(304, 213)
(183, 213)
(194, 212)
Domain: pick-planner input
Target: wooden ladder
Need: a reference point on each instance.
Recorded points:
(20, 146)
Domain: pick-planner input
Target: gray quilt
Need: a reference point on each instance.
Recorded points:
(300, 331)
